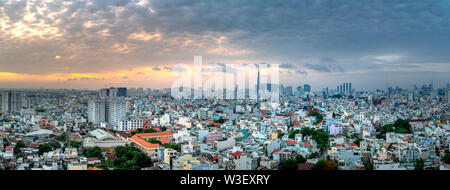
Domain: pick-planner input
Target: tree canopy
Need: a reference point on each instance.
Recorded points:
(446, 159)
(290, 164)
(130, 158)
(46, 147)
(93, 152)
(318, 135)
(399, 126)
(419, 165)
(325, 165)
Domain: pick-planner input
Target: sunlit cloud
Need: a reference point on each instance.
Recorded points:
(145, 36)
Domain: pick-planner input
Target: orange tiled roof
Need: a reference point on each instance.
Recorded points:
(353, 144)
(143, 143)
(93, 168)
(275, 151)
(291, 142)
(160, 134)
(237, 153)
(164, 139)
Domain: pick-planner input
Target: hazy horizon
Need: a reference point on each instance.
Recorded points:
(88, 44)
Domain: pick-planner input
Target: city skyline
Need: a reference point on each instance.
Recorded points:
(135, 43)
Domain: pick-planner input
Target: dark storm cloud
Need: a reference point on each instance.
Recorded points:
(319, 35)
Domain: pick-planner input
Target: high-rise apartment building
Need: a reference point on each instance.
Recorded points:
(12, 101)
(447, 95)
(307, 88)
(106, 111)
(113, 92)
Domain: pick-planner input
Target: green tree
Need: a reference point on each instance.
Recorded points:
(75, 144)
(154, 141)
(19, 144)
(221, 120)
(300, 158)
(318, 135)
(174, 146)
(93, 152)
(358, 141)
(62, 137)
(130, 158)
(368, 166)
(399, 126)
(6, 142)
(420, 164)
(46, 147)
(112, 130)
(290, 164)
(325, 165)
(140, 130)
(292, 134)
(446, 159)
(318, 115)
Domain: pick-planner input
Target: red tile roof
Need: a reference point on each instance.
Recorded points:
(93, 168)
(159, 134)
(143, 143)
(275, 151)
(9, 148)
(353, 144)
(291, 142)
(237, 153)
(164, 140)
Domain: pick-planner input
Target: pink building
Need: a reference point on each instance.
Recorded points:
(334, 129)
(212, 137)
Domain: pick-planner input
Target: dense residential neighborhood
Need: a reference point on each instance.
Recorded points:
(145, 129)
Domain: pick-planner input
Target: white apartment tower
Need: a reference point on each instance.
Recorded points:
(109, 111)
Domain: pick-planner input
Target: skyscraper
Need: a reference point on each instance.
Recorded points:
(12, 101)
(299, 91)
(113, 92)
(106, 111)
(447, 95)
(350, 88)
(307, 88)
(121, 92)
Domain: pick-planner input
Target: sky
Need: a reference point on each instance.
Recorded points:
(135, 43)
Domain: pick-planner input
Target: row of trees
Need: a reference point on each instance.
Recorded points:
(318, 115)
(140, 130)
(174, 146)
(399, 126)
(320, 136)
(291, 164)
(130, 158)
(46, 147)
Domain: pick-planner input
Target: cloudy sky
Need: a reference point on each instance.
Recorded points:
(135, 43)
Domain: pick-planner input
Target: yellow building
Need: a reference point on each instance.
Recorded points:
(168, 152)
(273, 135)
(149, 148)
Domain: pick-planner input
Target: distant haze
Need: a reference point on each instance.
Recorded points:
(135, 43)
